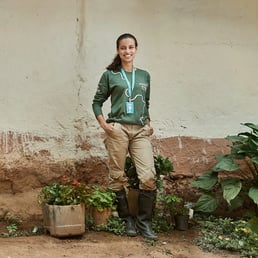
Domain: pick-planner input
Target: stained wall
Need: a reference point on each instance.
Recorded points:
(202, 56)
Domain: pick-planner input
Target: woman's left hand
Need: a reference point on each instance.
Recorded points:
(151, 128)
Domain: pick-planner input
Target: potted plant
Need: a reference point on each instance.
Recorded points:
(181, 215)
(170, 211)
(101, 203)
(63, 207)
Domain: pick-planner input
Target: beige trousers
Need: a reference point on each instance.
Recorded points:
(134, 139)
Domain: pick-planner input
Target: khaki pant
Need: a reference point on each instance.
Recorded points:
(134, 139)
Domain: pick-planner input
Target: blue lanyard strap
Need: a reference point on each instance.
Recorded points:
(130, 87)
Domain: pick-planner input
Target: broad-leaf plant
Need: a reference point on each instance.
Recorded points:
(235, 175)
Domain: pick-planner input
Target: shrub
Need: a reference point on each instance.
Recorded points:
(237, 182)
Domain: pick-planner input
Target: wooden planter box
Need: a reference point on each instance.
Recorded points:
(64, 220)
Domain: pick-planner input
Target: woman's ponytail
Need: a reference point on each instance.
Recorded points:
(115, 65)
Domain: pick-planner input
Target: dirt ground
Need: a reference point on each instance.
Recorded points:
(103, 244)
(92, 244)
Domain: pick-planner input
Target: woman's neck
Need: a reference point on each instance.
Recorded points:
(128, 67)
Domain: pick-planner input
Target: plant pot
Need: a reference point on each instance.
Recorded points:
(64, 220)
(100, 217)
(181, 222)
(132, 198)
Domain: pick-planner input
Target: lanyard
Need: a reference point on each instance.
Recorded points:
(130, 87)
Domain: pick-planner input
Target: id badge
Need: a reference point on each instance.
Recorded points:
(129, 107)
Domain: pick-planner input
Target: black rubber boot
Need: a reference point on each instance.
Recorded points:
(123, 212)
(147, 201)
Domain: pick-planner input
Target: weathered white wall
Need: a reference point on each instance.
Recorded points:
(40, 57)
(38, 63)
(202, 55)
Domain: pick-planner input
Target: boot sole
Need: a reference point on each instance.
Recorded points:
(154, 238)
(149, 238)
(131, 234)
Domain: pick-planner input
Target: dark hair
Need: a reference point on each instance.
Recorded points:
(116, 63)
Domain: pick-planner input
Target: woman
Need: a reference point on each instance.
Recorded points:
(127, 129)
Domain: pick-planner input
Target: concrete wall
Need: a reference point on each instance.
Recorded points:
(202, 56)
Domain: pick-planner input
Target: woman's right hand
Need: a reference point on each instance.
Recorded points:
(108, 127)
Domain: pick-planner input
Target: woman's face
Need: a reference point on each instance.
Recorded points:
(127, 50)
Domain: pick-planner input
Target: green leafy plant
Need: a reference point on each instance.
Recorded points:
(174, 204)
(114, 225)
(180, 209)
(168, 205)
(12, 231)
(235, 175)
(162, 221)
(225, 233)
(130, 171)
(163, 166)
(68, 192)
(101, 198)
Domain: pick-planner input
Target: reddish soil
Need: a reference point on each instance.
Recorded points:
(102, 244)
(92, 244)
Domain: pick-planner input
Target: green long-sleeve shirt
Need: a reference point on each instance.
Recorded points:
(112, 84)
